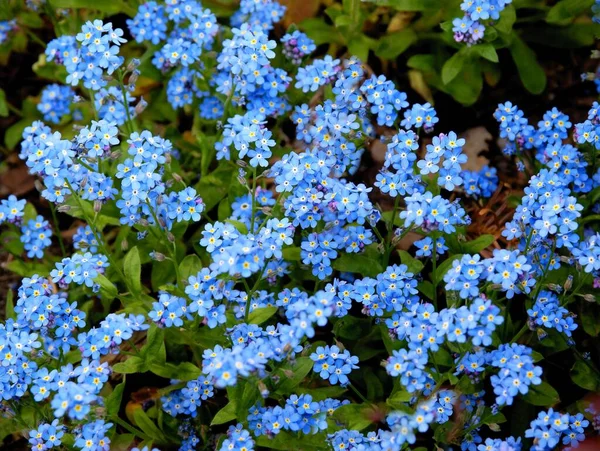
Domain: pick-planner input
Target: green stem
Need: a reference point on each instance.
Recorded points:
(57, 230)
(358, 393)
(173, 251)
(252, 291)
(93, 103)
(34, 37)
(524, 329)
(130, 124)
(433, 268)
(98, 238)
(253, 200)
(130, 428)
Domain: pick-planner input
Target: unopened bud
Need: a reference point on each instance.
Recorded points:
(242, 163)
(565, 259)
(157, 256)
(494, 427)
(267, 210)
(242, 181)
(159, 200)
(264, 391)
(107, 78)
(77, 99)
(554, 287)
(83, 181)
(124, 245)
(133, 65)
(170, 237)
(568, 283)
(97, 206)
(168, 158)
(63, 208)
(133, 77)
(38, 185)
(288, 373)
(380, 248)
(162, 222)
(143, 222)
(140, 107)
(589, 297)
(116, 154)
(177, 178)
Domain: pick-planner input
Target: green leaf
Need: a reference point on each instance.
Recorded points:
(113, 401)
(147, 426)
(321, 32)
(590, 318)
(291, 254)
(486, 51)
(319, 394)
(584, 376)
(132, 365)
(3, 104)
(162, 274)
(542, 395)
(399, 399)
(408, 5)
(508, 17)
(286, 441)
(261, 315)
(132, 268)
(109, 7)
(190, 266)
(185, 371)
(215, 186)
(299, 370)
(531, 73)
(108, 290)
(441, 270)
(14, 134)
(225, 415)
(567, 10)
(351, 328)
(426, 288)
(360, 45)
(11, 241)
(414, 265)
(28, 269)
(478, 244)
(454, 65)
(357, 263)
(572, 36)
(393, 45)
(154, 349)
(354, 416)
(9, 311)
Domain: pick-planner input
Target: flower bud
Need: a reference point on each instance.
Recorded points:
(124, 245)
(97, 206)
(140, 107)
(38, 185)
(133, 64)
(242, 163)
(568, 283)
(177, 177)
(157, 256)
(589, 297)
(170, 237)
(63, 208)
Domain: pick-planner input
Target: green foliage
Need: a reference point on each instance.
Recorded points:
(414, 26)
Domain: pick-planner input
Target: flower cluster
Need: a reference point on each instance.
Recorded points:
(223, 258)
(333, 365)
(470, 29)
